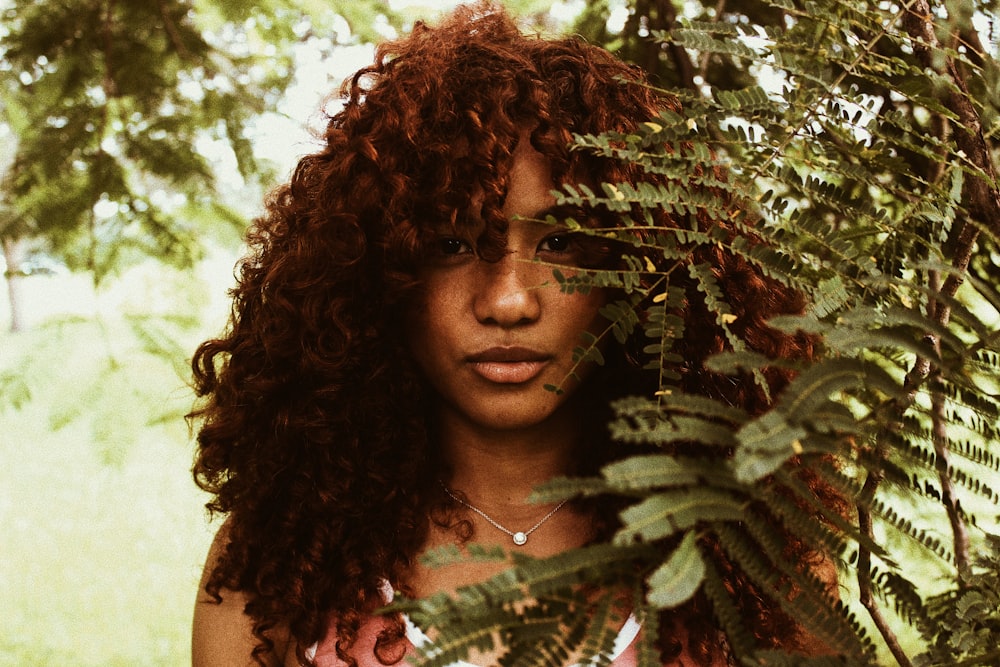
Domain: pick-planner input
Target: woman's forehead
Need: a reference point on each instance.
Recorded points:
(525, 186)
(529, 183)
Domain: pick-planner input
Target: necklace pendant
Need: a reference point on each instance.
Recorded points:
(519, 538)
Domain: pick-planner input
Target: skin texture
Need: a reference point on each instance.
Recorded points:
(489, 335)
(341, 394)
(222, 634)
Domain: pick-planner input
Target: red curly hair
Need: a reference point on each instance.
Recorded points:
(314, 435)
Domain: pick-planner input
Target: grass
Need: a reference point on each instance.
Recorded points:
(104, 532)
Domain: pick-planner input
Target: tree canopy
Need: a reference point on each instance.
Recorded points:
(110, 103)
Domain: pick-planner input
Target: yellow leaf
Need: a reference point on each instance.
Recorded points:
(649, 264)
(797, 446)
(660, 298)
(728, 318)
(653, 126)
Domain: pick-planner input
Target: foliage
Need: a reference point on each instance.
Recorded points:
(112, 103)
(860, 141)
(103, 532)
(969, 614)
(105, 125)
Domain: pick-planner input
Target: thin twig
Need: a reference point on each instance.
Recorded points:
(171, 28)
(667, 17)
(107, 32)
(865, 595)
(666, 20)
(942, 455)
(706, 57)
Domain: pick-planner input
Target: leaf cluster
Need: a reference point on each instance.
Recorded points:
(112, 105)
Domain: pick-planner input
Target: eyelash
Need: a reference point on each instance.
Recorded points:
(556, 243)
(453, 246)
(563, 240)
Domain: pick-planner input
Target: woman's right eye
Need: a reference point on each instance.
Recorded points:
(453, 246)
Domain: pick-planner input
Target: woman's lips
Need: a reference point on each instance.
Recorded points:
(508, 365)
(508, 372)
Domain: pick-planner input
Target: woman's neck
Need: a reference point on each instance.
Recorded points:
(495, 472)
(499, 469)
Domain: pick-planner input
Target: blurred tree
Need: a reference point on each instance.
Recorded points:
(108, 103)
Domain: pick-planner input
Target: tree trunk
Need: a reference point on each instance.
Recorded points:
(13, 253)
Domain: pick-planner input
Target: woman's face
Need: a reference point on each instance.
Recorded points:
(489, 336)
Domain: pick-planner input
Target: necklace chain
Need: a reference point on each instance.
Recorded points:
(519, 537)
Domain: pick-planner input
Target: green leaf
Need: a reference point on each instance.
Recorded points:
(666, 513)
(677, 580)
(648, 472)
(764, 445)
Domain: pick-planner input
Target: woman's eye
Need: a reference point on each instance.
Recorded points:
(555, 243)
(453, 246)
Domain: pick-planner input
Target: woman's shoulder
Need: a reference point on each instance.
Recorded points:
(222, 633)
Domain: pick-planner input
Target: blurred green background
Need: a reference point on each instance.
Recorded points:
(102, 529)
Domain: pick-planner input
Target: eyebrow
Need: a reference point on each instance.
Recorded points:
(558, 211)
(585, 218)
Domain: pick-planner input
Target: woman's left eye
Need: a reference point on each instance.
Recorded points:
(452, 246)
(555, 243)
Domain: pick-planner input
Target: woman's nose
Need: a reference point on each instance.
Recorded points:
(507, 293)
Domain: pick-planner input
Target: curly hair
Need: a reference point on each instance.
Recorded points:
(314, 435)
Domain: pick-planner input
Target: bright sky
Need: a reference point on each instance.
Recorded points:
(284, 138)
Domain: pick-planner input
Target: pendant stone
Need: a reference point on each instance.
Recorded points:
(519, 538)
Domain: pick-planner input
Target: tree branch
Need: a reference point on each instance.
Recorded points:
(984, 206)
(865, 594)
(983, 198)
(979, 190)
(171, 28)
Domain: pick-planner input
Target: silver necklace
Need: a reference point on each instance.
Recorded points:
(520, 537)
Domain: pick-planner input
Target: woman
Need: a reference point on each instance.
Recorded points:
(385, 386)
